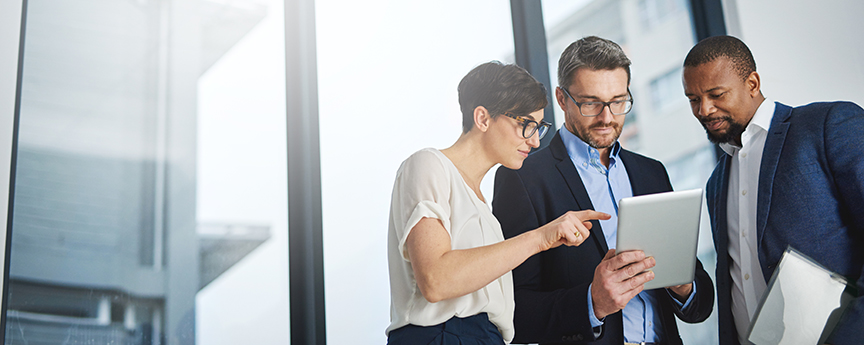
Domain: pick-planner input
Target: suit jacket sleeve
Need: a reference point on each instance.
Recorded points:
(702, 304)
(845, 153)
(540, 316)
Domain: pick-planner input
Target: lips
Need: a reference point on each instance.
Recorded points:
(713, 124)
(524, 153)
(604, 129)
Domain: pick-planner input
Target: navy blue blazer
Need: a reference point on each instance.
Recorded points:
(551, 287)
(811, 196)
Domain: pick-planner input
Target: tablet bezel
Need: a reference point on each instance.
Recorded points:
(665, 226)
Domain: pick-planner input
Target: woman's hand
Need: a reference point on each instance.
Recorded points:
(443, 273)
(571, 229)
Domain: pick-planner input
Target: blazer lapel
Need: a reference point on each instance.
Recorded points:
(768, 168)
(718, 209)
(637, 181)
(575, 185)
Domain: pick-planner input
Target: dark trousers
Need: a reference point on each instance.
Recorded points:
(472, 330)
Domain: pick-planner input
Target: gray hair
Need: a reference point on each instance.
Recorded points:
(592, 52)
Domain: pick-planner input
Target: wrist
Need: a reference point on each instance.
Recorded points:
(531, 241)
(598, 312)
(682, 292)
(539, 241)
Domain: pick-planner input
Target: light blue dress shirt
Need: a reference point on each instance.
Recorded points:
(607, 186)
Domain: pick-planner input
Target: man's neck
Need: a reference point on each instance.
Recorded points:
(757, 102)
(604, 152)
(604, 156)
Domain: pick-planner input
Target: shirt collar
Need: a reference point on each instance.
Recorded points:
(580, 151)
(761, 121)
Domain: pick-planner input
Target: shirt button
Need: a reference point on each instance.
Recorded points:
(743, 155)
(744, 192)
(584, 164)
(743, 234)
(746, 276)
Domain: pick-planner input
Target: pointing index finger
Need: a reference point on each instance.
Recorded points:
(586, 215)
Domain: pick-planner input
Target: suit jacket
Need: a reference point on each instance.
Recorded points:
(811, 196)
(551, 287)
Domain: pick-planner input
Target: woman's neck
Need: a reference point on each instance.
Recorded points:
(470, 159)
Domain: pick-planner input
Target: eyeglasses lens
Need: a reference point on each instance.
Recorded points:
(595, 108)
(530, 127)
(543, 130)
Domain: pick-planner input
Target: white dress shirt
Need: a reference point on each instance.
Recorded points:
(748, 283)
(429, 185)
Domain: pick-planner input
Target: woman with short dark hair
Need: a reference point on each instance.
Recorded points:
(450, 266)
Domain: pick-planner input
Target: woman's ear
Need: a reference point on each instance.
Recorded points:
(482, 119)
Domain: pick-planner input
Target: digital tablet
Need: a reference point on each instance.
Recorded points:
(665, 226)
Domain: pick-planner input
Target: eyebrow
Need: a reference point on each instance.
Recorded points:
(598, 98)
(716, 88)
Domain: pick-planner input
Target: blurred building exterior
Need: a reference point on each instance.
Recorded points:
(105, 244)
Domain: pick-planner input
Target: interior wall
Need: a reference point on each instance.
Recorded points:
(805, 51)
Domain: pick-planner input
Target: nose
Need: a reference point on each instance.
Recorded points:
(706, 108)
(534, 140)
(606, 115)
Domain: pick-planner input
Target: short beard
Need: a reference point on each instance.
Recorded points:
(593, 143)
(733, 132)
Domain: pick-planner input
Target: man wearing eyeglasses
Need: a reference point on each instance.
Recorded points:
(589, 293)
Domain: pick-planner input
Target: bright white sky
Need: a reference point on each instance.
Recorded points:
(242, 179)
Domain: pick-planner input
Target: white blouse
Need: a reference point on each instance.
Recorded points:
(429, 185)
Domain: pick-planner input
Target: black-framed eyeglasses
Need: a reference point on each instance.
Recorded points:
(589, 109)
(530, 126)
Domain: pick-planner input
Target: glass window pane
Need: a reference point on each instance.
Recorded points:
(656, 35)
(150, 194)
(242, 181)
(388, 72)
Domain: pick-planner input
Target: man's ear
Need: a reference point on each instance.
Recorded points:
(561, 98)
(754, 84)
(482, 118)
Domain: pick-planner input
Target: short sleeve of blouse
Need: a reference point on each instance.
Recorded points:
(421, 190)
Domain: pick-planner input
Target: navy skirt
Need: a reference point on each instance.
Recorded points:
(472, 330)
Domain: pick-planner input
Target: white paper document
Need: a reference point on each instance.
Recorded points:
(798, 302)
